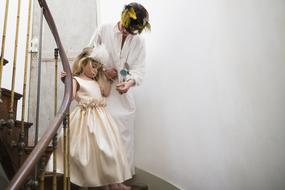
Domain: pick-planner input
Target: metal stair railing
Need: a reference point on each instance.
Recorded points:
(26, 169)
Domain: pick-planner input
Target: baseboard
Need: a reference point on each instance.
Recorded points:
(153, 182)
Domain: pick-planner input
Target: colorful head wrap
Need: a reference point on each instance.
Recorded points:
(135, 18)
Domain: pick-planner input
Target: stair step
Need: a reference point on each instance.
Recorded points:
(5, 61)
(29, 149)
(7, 136)
(49, 175)
(9, 153)
(46, 155)
(136, 186)
(59, 177)
(5, 105)
(48, 180)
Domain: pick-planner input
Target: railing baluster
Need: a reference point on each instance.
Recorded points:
(66, 172)
(15, 61)
(65, 121)
(42, 172)
(38, 88)
(54, 142)
(3, 46)
(55, 78)
(54, 178)
(39, 77)
(21, 143)
(68, 150)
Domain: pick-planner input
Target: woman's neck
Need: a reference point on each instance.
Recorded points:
(120, 26)
(124, 36)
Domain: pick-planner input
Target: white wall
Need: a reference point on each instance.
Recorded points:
(211, 110)
(10, 43)
(76, 22)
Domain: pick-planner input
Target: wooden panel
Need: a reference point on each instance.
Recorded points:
(9, 156)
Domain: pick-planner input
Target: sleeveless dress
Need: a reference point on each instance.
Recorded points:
(97, 155)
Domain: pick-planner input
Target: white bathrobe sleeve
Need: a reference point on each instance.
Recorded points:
(136, 62)
(96, 38)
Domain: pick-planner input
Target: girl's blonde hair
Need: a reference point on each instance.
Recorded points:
(80, 62)
(85, 58)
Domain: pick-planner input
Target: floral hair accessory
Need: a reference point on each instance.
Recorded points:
(135, 18)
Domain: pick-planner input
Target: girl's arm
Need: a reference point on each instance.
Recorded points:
(75, 87)
(105, 84)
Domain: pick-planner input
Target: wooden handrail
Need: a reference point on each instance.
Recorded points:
(21, 176)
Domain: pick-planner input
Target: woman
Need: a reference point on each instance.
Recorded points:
(126, 68)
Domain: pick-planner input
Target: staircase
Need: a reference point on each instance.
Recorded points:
(24, 165)
(12, 158)
(9, 136)
(19, 159)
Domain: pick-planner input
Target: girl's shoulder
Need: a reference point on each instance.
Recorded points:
(76, 78)
(80, 80)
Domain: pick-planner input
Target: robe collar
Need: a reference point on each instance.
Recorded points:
(116, 28)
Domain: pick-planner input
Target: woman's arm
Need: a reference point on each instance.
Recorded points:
(136, 63)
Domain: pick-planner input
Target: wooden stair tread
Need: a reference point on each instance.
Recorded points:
(26, 124)
(5, 61)
(29, 149)
(6, 103)
(50, 174)
(6, 92)
(137, 186)
(12, 135)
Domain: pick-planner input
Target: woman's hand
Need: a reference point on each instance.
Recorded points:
(111, 73)
(123, 87)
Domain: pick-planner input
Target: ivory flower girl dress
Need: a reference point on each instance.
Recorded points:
(97, 155)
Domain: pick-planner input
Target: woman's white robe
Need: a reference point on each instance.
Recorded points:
(132, 55)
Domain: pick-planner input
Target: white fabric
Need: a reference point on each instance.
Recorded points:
(100, 54)
(122, 107)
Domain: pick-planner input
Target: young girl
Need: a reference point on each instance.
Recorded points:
(97, 156)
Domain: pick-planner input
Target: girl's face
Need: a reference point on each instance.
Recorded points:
(91, 69)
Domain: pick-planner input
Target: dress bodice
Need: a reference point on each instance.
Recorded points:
(89, 94)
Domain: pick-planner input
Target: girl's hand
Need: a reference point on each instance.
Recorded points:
(123, 87)
(62, 76)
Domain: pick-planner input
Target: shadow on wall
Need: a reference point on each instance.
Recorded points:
(153, 182)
